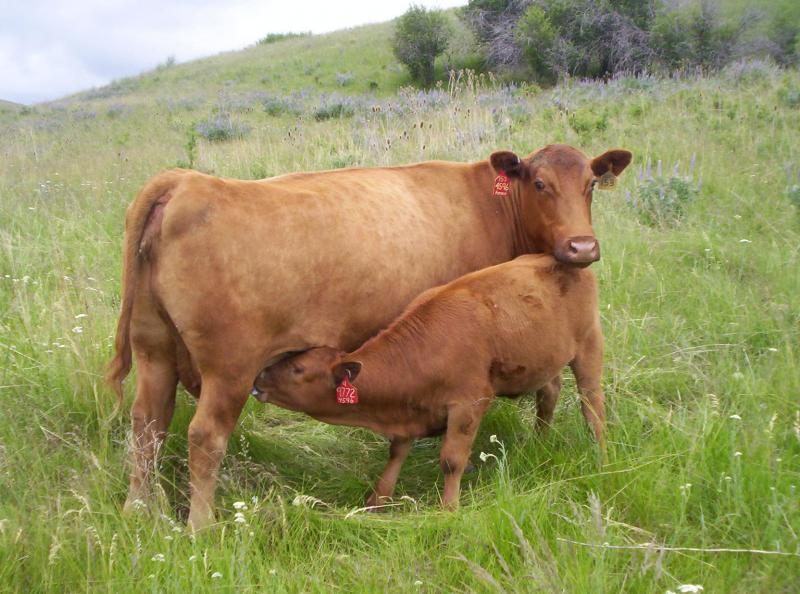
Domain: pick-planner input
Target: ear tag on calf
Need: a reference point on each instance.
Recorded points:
(346, 393)
(500, 184)
(607, 181)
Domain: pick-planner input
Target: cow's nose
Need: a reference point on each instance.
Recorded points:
(581, 250)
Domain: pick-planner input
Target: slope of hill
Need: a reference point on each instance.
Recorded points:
(699, 290)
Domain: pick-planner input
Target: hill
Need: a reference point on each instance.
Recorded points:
(699, 290)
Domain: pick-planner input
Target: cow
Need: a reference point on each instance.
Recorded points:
(221, 275)
(505, 330)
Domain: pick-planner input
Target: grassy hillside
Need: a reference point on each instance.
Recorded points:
(699, 307)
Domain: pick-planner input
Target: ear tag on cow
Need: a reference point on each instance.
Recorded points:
(500, 184)
(346, 393)
(607, 181)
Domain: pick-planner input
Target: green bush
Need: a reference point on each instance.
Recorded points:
(420, 36)
(661, 200)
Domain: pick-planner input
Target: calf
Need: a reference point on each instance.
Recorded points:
(508, 329)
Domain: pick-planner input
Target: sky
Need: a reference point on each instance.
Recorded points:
(51, 48)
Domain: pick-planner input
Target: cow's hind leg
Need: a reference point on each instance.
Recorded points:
(398, 452)
(151, 415)
(546, 398)
(218, 410)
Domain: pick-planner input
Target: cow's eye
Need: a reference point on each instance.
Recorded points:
(539, 184)
(297, 369)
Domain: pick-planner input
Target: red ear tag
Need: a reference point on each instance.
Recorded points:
(346, 393)
(500, 184)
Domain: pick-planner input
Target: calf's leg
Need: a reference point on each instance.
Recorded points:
(546, 398)
(218, 410)
(463, 421)
(588, 369)
(151, 415)
(398, 452)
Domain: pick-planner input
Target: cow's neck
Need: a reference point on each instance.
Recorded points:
(510, 233)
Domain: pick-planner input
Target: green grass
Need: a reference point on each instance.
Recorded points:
(701, 320)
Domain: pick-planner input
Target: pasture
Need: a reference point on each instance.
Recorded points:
(698, 283)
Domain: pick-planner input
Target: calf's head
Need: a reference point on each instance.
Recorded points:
(306, 381)
(554, 188)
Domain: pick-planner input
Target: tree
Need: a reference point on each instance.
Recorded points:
(420, 36)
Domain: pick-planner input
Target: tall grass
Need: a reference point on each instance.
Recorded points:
(701, 320)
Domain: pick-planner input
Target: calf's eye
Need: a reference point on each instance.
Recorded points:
(539, 184)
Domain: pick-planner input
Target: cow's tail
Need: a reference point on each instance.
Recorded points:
(157, 191)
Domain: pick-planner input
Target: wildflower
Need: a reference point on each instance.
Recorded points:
(193, 558)
(240, 505)
(484, 456)
(772, 349)
(81, 315)
(690, 588)
(737, 454)
(216, 575)
(239, 518)
(273, 571)
(158, 557)
(417, 583)
(742, 241)
(493, 439)
(168, 537)
(735, 417)
(254, 500)
(78, 329)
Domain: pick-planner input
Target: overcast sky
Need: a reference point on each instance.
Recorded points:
(50, 48)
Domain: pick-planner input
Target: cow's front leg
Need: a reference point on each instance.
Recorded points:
(546, 398)
(398, 452)
(463, 421)
(588, 369)
(217, 412)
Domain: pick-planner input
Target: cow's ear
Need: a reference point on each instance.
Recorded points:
(507, 162)
(348, 369)
(615, 161)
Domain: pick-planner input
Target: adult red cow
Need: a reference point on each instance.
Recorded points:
(221, 277)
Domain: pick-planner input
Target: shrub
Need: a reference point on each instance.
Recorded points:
(221, 128)
(420, 36)
(278, 106)
(275, 37)
(335, 108)
(344, 78)
(661, 200)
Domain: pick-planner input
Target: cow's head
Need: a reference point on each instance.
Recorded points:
(554, 186)
(306, 381)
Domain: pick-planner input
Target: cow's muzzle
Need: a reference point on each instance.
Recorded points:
(581, 250)
(259, 395)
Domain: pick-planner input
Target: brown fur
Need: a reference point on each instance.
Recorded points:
(452, 352)
(222, 275)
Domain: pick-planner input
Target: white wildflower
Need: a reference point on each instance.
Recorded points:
(737, 454)
(273, 571)
(158, 557)
(417, 583)
(240, 505)
(493, 439)
(741, 241)
(81, 315)
(239, 518)
(193, 558)
(78, 329)
(484, 456)
(216, 575)
(690, 588)
(168, 537)
(735, 417)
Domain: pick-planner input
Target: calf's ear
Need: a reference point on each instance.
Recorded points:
(348, 369)
(507, 162)
(615, 161)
